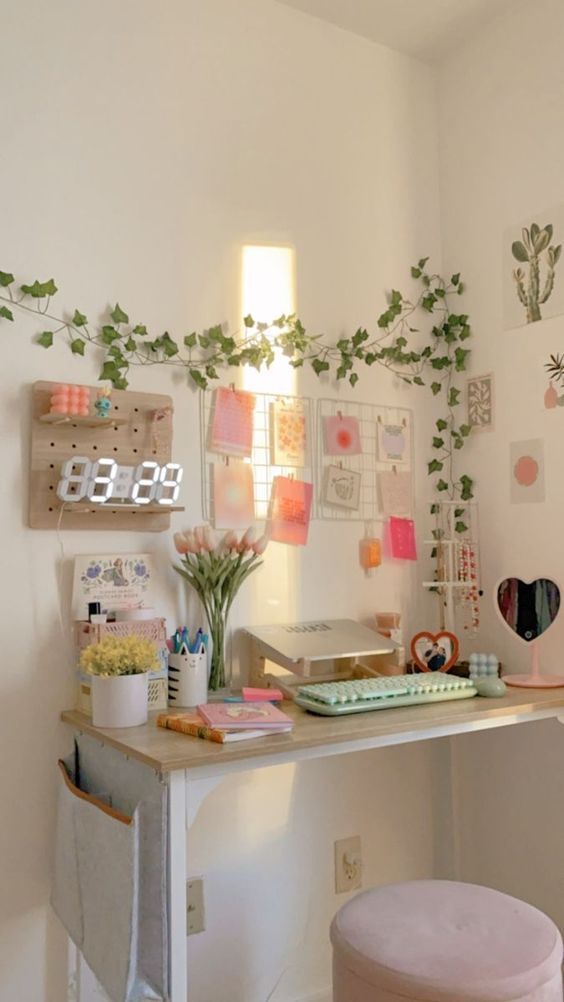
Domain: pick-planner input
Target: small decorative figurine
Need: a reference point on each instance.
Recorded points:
(103, 403)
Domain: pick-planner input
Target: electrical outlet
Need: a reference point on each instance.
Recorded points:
(195, 914)
(348, 864)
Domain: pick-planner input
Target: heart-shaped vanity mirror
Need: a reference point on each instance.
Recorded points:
(529, 609)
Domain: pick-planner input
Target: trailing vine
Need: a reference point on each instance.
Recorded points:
(203, 355)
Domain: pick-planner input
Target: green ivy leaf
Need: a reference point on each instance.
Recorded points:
(45, 339)
(6, 278)
(140, 330)
(190, 340)
(418, 381)
(460, 527)
(464, 333)
(40, 289)
(458, 512)
(416, 272)
(455, 279)
(248, 321)
(6, 313)
(198, 378)
(109, 371)
(109, 334)
(453, 397)
(77, 346)
(442, 485)
(442, 425)
(465, 430)
(168, 345)
(353, 378)
(438, 443)
(422, 262)
(319, 366)
(130, 344)
(434, 466)
(466, 484)
(118, 316)
(460, 356)
(435, 388)
(79, 320)
(434, 509)
(204, 341)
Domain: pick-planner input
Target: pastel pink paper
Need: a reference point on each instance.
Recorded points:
(401, 534)
(232, 422)
(233, 495)
(290, 510)
(341, 436)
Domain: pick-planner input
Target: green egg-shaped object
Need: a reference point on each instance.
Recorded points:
(493, 687)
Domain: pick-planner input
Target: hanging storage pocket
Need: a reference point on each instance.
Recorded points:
(97, 888)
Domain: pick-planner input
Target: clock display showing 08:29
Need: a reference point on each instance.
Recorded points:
(104, 480)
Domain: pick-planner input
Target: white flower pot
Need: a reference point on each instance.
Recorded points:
(120, 700)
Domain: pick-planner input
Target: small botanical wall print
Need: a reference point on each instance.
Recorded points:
(393, 442)
(480, 402)
(533, 279)
(554, 394)
(527, 471)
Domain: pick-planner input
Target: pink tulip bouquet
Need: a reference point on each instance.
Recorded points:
(216, 570)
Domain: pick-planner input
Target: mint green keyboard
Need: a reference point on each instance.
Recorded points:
(382, 693)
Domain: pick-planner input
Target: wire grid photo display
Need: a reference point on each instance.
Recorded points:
(366, 464)
(263, 450)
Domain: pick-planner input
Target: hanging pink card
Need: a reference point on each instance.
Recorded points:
(341, 436)
(402, 538)
(232, 492)
(232, 422)
(290, 510)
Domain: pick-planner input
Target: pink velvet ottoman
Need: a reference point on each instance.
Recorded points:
(440, 941)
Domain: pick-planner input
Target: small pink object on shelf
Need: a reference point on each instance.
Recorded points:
(67, 399)
(251, 695)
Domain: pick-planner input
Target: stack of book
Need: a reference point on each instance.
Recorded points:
(223, 722)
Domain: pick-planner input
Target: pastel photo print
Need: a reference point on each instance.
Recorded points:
(393, 442)
(341, 488)
(341, 436)
(288, 433)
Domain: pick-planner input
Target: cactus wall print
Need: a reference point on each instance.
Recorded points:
(534, 284)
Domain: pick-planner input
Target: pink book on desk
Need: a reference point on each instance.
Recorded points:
(239, 716)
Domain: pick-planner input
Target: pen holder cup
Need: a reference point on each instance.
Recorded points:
(187, 679)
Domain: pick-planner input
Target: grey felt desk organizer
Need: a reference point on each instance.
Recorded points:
(109, 887)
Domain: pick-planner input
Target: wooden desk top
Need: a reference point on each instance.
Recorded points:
(315, 736)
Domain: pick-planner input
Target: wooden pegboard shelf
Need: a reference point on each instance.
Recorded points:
(86, 508)
(79, 421)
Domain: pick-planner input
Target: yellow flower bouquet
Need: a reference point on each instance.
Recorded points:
(119, 656)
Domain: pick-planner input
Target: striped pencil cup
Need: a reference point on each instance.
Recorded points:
(187, 679)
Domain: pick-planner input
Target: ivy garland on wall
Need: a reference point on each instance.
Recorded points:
(205, 355)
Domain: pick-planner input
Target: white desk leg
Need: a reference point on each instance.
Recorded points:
(177, 886)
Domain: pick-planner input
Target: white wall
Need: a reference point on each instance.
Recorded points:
(502, 161)
(143, 144)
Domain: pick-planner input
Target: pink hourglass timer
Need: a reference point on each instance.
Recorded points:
(529, 609)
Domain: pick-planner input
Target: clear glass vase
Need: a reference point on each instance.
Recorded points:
(220, 667)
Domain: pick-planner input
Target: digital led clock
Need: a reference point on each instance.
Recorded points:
(105, 480)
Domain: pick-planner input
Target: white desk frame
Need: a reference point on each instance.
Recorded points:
(179, 783)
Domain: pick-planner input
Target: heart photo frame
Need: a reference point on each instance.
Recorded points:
(434, 651)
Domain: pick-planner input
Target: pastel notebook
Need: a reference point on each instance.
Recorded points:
(231, 429)
(241, 716)
(290, 510)
(402, 538)
(193, 725)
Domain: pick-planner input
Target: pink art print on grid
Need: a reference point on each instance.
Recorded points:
(341, 436)
(233, 495)
(232, 422)
(402, 538)
(290, 511)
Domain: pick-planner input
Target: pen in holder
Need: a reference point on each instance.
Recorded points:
(187, 679)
